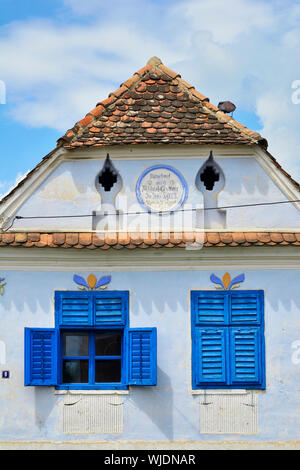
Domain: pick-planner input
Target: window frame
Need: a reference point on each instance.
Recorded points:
(43, 354)
(92, 328)
(228, 324)
(91, 358)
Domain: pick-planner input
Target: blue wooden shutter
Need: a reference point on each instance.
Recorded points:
(40, 356)
(209, 307)
(246, 307)
(209, 358)
(246, 356)
(111, 308)
(74, 308)
(142, 356)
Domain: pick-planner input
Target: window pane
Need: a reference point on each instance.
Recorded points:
(75, 344)
(76, 371)
(108, 371)
(108, 344)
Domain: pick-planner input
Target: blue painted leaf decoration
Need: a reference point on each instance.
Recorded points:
(79, 280)
(237, 280)
(216, 280)
(2, 279)
(103, 281)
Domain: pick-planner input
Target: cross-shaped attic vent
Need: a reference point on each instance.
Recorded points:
(209, 177)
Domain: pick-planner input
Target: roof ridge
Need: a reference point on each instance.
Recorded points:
(155, 64)
(225, 118)
(95, 113)
(205, 101)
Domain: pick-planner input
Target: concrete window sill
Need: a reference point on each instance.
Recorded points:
(91, 392)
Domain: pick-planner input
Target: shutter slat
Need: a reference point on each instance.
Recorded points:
(246, 307)
(209, 307)
(111, 307)
(245, 355)
(74, 308)
(210, 356)
(40, 357)
(228, 339)
(91, 308)
(142, 356)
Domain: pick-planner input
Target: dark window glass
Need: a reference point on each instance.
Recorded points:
(108, 371)
(108, 344)
(75, 371)
(75, 344)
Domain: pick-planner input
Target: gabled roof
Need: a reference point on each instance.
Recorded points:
(156, 106)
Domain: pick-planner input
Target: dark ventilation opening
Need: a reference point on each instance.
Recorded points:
(108, 176)
(209, 177)
(107, 179)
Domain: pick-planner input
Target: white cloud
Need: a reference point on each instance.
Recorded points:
(283, 133)
(247, 51)
(94, 7)
(226, 20)
(59, 73)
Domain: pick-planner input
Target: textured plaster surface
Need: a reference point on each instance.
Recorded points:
(167, 413)
(70, 190)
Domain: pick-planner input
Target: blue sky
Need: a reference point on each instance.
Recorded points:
(59, 57)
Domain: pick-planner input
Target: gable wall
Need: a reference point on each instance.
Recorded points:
(69, 189)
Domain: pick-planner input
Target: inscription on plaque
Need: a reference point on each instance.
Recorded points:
(161, 189)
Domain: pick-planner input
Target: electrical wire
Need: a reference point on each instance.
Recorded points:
(20, 217)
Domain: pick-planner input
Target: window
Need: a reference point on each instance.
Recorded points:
(91, 346)
(92, 357)
(228, 339)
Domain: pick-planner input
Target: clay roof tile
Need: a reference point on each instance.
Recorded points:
(152, 91)
(187, 116)
(147, 240)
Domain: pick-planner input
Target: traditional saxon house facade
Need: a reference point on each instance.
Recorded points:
(150, 279)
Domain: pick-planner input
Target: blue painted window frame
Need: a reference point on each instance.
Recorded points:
(221, 323)
(143, 356)
(92, 327)
(91, 385)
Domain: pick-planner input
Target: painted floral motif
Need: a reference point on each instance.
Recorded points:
(92, 283)
(226, 282)
(2, 284)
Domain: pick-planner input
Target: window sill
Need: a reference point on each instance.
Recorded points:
(219, 391)
(91, 392)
